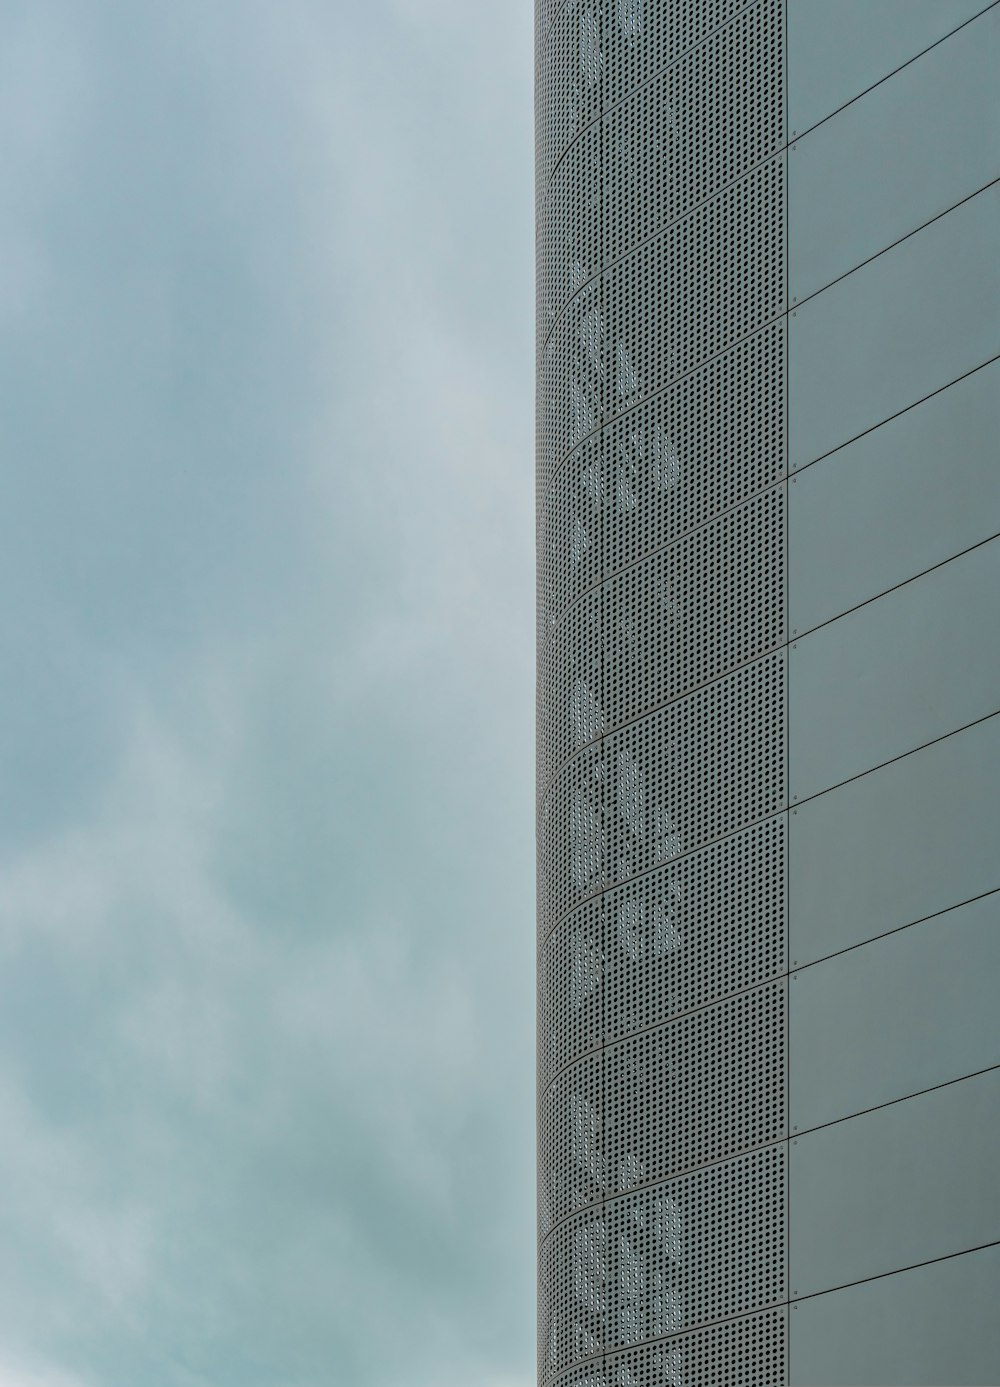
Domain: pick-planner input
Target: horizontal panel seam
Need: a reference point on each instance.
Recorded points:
(757, 658)
(796, 304)
(659, 867)
(670, 384)
(799, 635)
(899, 929)
(896, 1271)
(744, 501)
(798, 1132)
(611, 1041)
(802, 467)
(775, 1144)
(870, 770)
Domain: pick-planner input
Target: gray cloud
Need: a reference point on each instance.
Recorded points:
(266, 858)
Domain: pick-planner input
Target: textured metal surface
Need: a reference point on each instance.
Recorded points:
(702, 767)
(709, 924)
(677, 884)
(749, 1351)
(662, 779)
(653, 1263)
(682, 1094)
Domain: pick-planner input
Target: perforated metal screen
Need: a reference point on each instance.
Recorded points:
(662, 785)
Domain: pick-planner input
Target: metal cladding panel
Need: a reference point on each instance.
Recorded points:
(932, 1324)
(662, 786)
(901, 155)
(843, 1055)
(837, 49)
(664, 1259)
(895, 846)
(705, 926)
(892, 1188)
(880, 681)
(910, 321)
(677, 884)
(749, 1351)
(696, 449)
(680, 1095)
(662, 147)
(700, 768)
(641, 640)
(888, 502)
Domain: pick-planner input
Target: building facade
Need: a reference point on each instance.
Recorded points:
(768, 812)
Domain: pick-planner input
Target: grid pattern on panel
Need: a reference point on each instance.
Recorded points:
(569, 250)
(698, 769)
(707, 925)
(713, 277)
(746, 1352)
(704, 926)
(700, 123)
(696, 126)
(572, 837)
(571, 685)
(642, 639)
(691, 1091)
(655, 1262)
(661, 691)
(591, 53)
(570, 80)
(571, 1165)
(658, 644)
(695, 1090)
(571, 378)
(645, 35)
(694, 450)
(572, 988)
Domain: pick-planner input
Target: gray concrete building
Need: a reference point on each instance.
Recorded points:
(768, 808)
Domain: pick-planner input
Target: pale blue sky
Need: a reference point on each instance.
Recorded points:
(266, 694)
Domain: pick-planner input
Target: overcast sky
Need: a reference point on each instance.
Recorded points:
(266, 694)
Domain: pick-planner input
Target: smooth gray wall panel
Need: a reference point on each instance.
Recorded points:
(897, 501)
(910, 321)
(902, 154)
(839, 48)
(913, 838)
(933, 1324)
(902, 1013)
(894, 1187)
(915, 664)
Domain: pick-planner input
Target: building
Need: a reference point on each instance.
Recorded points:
(768, 691)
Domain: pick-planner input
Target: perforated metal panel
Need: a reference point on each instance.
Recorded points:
(655, 1262)
(662, 779)
(746, 1352)
(690, 452)
(708, 924)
